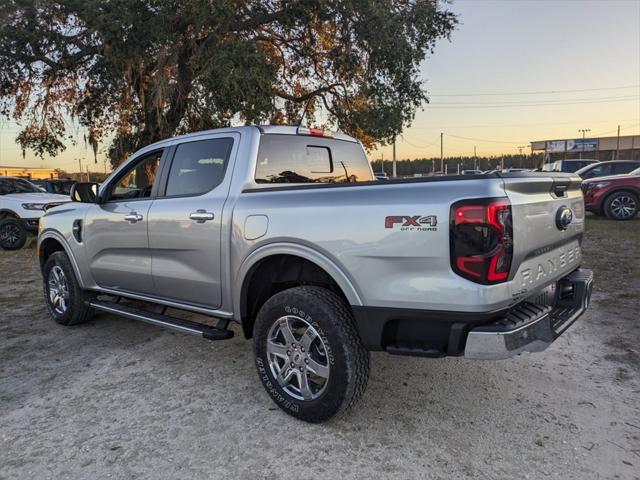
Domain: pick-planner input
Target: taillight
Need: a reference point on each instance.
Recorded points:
(482, 240)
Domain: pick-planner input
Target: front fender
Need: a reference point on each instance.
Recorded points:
(57, 236)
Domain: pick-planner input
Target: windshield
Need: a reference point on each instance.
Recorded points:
(22, 186)
(582, 170)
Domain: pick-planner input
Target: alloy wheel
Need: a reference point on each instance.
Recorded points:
(10, 234)
(298, 357)
(58, 290)
(623, 206)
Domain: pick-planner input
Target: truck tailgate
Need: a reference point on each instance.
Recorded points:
(548, 223)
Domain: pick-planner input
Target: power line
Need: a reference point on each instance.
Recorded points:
(442, 106)
(615, 130)
(545, 102)
(513, 143)
(438, 127)
(482, 139)
(540, 92)
(419, 146)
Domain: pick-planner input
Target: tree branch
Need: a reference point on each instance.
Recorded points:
(307, 96)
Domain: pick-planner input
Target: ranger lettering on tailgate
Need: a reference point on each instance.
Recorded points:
(549, 266)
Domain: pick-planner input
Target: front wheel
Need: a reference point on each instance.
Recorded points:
(308, 353)
(13, 235)
(66, 301)
(621, 206)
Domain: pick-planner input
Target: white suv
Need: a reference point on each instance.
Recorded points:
(21, 206)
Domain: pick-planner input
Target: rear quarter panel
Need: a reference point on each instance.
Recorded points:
(403, 267)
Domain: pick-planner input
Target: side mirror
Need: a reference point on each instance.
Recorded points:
(85, 192)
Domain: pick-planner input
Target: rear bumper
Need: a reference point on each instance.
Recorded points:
(530, 326)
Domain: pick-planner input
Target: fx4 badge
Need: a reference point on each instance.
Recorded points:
(419, 223)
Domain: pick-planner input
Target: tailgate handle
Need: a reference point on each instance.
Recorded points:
(560, 187)
(560, 190)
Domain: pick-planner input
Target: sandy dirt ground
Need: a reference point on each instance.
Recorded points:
(118, 399)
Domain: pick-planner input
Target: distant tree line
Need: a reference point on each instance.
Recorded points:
(428, 165)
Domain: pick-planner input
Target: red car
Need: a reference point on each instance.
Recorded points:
(617, 196)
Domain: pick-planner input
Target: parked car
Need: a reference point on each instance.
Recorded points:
(283, 230)
(381, 176)
(59, 186)
(604, 169)
(615, 196)
(471, 172)
(21, 205)
(568, 166)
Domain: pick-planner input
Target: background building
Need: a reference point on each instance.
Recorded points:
(30, 173)
(625, 147)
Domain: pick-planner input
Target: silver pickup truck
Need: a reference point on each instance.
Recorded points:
(285, 231)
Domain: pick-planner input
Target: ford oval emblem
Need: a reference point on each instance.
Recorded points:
(564, 217)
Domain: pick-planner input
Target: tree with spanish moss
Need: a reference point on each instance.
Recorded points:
(131, 72)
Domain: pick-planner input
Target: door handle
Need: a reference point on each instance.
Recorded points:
(133, 217)
(201, 216)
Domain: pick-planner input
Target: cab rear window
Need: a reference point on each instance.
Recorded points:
(303, 159)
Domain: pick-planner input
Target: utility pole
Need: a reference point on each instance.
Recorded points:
(475, 158)
(520, 147)
(584, 131)
(80, 166)
(394, 157)
(441, 153)
(618, 145)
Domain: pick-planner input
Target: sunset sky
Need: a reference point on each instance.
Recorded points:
(493, 84)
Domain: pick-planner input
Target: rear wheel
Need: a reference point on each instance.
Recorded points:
(13, 235)
(66, 301)
(621, 206)
(308, 353)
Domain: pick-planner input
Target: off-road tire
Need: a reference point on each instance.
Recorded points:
(13, 235)
(77, 310)
(347, 358)
(617, 206)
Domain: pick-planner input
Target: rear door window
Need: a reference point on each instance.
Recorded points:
(198, 167)
(624, 168)
(303, 159)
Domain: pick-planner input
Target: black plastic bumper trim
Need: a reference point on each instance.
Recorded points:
(432, 333)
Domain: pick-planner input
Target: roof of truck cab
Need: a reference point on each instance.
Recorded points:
(264, 129)
(291, 130)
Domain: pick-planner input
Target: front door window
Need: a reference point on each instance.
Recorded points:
(138, 181)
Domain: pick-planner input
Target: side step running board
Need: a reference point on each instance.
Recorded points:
(177, 324)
